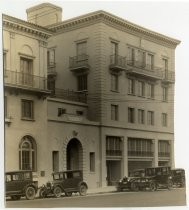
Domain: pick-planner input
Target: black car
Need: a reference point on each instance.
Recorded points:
(65, 182)
(20, 184)
(178, 177)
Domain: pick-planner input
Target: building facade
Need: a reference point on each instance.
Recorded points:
(108, 104)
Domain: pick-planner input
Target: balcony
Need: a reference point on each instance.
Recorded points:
(168, 76)
(140, 153)
(144, 70)
(117, 63)
(70, 95)
(29, 82)
(79, 64)
(163, 154)
(51, 69)
(113, 153)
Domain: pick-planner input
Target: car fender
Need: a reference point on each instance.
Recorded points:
(30, 185)
(82, 183)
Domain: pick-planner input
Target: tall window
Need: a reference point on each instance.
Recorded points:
(55, 159)
(141, 88)
(150, 118)
(165, 63)
(114, 48)
(81, 48)
(114, 82)
(150, 61)
(165, 94)
(131, 86)
(27, 154)
(27, 109)
(51, 57)
(164, 119)
(82, 82)
(141, 116)
(131, 55)
(150, 90)
(26, 68)
(92, 161)
(141, 58)
(113, 146)
(163, 148)
(131, 115)
(114, 112)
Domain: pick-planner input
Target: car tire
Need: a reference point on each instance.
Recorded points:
(83, 190)
(42, 193)
(152, 186)
(30, 193)
(57, 192)
(68, 194)
(169, 184)
(15, 197)
(134, 186)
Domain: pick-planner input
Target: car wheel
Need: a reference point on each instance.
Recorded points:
(30, 193)
(68, 194)
(42, 193)
(152, 186)
(169, 184)
(134, 186)
(83, 190)
(57, 192)
(15, 197)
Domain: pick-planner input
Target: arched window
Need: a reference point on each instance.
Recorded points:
(27, 154)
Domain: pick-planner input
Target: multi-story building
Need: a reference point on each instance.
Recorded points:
(111, 104)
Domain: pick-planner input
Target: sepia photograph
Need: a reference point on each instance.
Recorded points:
(94, 102)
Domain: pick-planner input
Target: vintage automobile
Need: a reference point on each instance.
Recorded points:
(20, 184)
(66, 182)
(178, 177)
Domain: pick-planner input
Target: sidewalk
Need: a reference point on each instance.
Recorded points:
(101, 190)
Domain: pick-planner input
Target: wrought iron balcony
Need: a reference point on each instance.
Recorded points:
(144, 70)
(164, 154)
(70, 95)
(168, 76)
(140, 153)
(51, 69)
(79, 63)
(22, 80)
(113, 153)
(117, 63)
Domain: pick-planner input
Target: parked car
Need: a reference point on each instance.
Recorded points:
(178, 177)
(20, 184)
(67, 182)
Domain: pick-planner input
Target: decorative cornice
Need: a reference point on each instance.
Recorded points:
(26, 27)
(116, 22)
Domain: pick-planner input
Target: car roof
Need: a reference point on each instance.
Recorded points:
(17, 171)
(175, 169)
(59, 172)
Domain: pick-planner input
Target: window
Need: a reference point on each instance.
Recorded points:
(141, 58)
(131, 55)
(164, 94)
(114, 82)
(141, 116)
(150, 118)
(61, 111)
(131, 115)
(163, 148)
(92, 161)
(27, 154)
(150, 91)
(55, 161)
(51, 83)
(114, 48)
(81, 48)
(150, 61)
(165, 63)
(164, 119)
(51, 57)
(113, 146)
(131, 86)
(27, 109)
(141, 88)
(26, 69)
(114, 112)
(82, 82)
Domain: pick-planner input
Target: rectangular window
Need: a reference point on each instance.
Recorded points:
(55, 161)
(27, 109)
(150, 61)
(114, 48)
(81, 48)
(26, 69)
(131, 86)
(163, 148)
(141, 116)
(164, 119)
(165, 63)
(131, 115)
(113, 146)
(141, 58)
(141, 88)
(150, 118)
(114, 82)
(61, 111)
(131, 55)
(114, 112)
(82, 82)
(51, 57)
(150, 91)
(92, 161)
(164, 94)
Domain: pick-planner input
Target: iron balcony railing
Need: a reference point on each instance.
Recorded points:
(70, 95)
(142, 68)
(113, 153)
(164, 154)
(117, 61)
(25, 80)
(168, 76)
(79, 61)
(140, 153)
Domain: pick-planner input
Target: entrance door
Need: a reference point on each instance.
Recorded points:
(113, 171)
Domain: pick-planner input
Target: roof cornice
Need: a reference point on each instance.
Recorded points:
(115, 22)
(24, 26)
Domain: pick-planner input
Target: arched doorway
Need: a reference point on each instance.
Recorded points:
(74, 154)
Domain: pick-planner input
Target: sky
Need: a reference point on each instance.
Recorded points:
(170, 18)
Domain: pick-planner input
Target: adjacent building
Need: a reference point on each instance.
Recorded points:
(95, 93)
